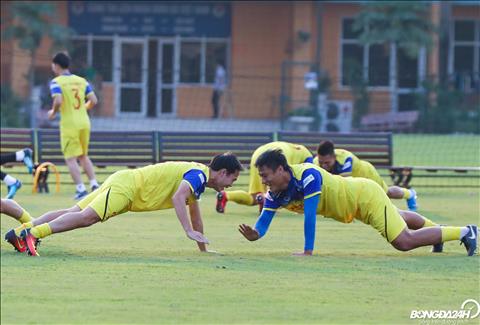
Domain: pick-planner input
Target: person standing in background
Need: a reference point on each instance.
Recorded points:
(219, 85)
(69, 93)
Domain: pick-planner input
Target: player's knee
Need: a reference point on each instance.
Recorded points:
(403, 242)
(390, 193)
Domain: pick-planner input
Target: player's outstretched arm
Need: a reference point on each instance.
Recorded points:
(179, 199)
(197, 223)
(309, 224)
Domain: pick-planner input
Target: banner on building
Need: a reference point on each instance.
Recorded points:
(155, 18)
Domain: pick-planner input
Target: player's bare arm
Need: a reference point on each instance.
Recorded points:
(178, 200)
(57, 103)
(91, 101)
(197, 223)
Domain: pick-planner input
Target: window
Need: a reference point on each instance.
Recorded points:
(374, 59)
(215, 52)
(79, 56)
(378, 65)
(132, 63)
(407, 102)
(102, 58)
(466, 48)
(198, 59)
(352, 62)
(92, 57)
(190, 62)
(407, 70)
(352, 53)
(464, 31)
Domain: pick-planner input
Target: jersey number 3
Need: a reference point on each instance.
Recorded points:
(78, 101)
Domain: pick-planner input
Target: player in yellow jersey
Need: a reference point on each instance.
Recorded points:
(311, 190)
(295, 154)
(155, 187)
(69, 93)
(344, 163)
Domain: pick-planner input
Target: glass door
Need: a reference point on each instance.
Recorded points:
(166, 91)
(131, 77)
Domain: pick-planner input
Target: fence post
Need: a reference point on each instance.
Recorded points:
(160, 146)
(33, 140)
(39, 144)
(274, 136)
(154, 149)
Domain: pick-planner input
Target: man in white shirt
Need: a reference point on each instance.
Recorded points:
(219, 85)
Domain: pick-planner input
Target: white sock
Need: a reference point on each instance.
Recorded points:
(81, 187)
(9, 180)
(464, 232)
(19, 155)
(93, 182)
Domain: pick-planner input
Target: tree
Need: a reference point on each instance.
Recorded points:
(358, 85)
(28, 23)
(399, 25)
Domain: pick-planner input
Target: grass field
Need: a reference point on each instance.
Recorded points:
(141, 269)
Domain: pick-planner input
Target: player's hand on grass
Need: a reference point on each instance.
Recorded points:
(51, 114)
(248, 232)
(197, 236)
(304, 253)
(208, 251)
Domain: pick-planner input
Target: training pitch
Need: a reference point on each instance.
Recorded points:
(141, 268)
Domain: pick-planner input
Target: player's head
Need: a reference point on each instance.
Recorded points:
(274, 170)
(224, 171)
(60, 61)
(326, 155)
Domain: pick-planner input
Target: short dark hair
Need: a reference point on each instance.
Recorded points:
(272, 159)
(62, 59)
(226, 160)
(326, 148)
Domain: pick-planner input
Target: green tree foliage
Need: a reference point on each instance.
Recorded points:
(405, 23)
(444, 109)
(28, 23)
(10, 106)
(358, 85)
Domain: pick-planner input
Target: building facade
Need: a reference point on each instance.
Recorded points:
(158, 59)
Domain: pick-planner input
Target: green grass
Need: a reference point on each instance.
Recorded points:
(139, 268)
(436, 150)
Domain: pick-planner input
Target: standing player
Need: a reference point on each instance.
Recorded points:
(309, 189)
(13, 184)
(69, 93)
(344, 163)
(294, 153)
(155, 187)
